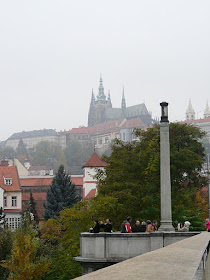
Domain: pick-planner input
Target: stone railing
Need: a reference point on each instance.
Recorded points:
(104, 249)
(186, 259)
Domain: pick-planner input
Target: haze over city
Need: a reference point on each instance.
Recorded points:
(53, 52)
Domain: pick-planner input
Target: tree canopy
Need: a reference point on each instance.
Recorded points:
(133, 172)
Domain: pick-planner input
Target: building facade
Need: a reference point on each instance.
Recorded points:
(32, 138)
(90, 183)
(10, 195)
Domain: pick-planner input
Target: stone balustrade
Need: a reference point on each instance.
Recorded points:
(104, 249)
(187, 259)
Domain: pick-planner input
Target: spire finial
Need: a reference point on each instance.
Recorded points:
(123, 104)
(101, 95)
(207, 111)
(93, 97)
(190, 113)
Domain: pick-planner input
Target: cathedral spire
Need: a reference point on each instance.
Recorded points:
(190, 113)
(101, 95)
(109, 98)
(123, 104)
(207, 111)
(93, 97)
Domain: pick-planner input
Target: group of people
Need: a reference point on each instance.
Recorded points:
(98, 225)
(147, 226)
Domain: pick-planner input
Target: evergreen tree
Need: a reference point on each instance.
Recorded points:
(62, 194)
(32, 208)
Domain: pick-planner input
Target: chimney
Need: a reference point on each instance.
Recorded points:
(4, 163)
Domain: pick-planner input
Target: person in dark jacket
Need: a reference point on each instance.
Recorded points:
(107, 226)
(136, 227)
(96, 228)
(143, 227)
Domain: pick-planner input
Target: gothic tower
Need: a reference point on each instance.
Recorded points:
(123, 104)
(98, 106)
(207, 111)
(190, 113)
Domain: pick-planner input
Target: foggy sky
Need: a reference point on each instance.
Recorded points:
(53, 52)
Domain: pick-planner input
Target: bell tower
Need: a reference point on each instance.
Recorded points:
(98, 106)
(207, 111)
(190, 113)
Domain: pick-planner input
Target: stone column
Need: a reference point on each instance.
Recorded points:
(165, 179)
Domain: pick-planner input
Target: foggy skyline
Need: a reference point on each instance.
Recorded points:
(53, 52)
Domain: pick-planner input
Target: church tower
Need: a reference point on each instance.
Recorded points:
(98, 105)
(190, 113)
(207, 111)
(123, 104)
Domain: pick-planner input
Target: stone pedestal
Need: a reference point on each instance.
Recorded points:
(165, 179)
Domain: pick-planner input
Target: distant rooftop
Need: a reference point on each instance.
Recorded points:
(95, 161)
(198, 121)
(34, 133)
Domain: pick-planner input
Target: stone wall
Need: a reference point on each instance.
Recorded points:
(187, 259)
(102, 249)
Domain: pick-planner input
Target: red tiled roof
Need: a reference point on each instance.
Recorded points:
(9, 172)
(106, 127)
(81, 130)
(92, 193)
(33, 182)
(197, 121)
(133, 123)
(12, 210)
(95, 161)
(78, 130)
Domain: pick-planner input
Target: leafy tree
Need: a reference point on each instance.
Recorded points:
(7, 152)
(76, 155)
(73, 221)
(133, 172)
(46, 153)
(51, 231)
(25, 264)
(62, 194)
(6, 241)
(21, 148)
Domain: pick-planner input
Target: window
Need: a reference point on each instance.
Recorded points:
(8, 181)
(13, 223)
(78, 191)
(14, 201)
(5, 201)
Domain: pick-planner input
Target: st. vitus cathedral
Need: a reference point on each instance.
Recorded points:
(101, 109)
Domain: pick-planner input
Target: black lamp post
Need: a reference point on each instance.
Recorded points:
(164, 112)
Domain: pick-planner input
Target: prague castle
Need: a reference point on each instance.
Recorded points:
(101, 110)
